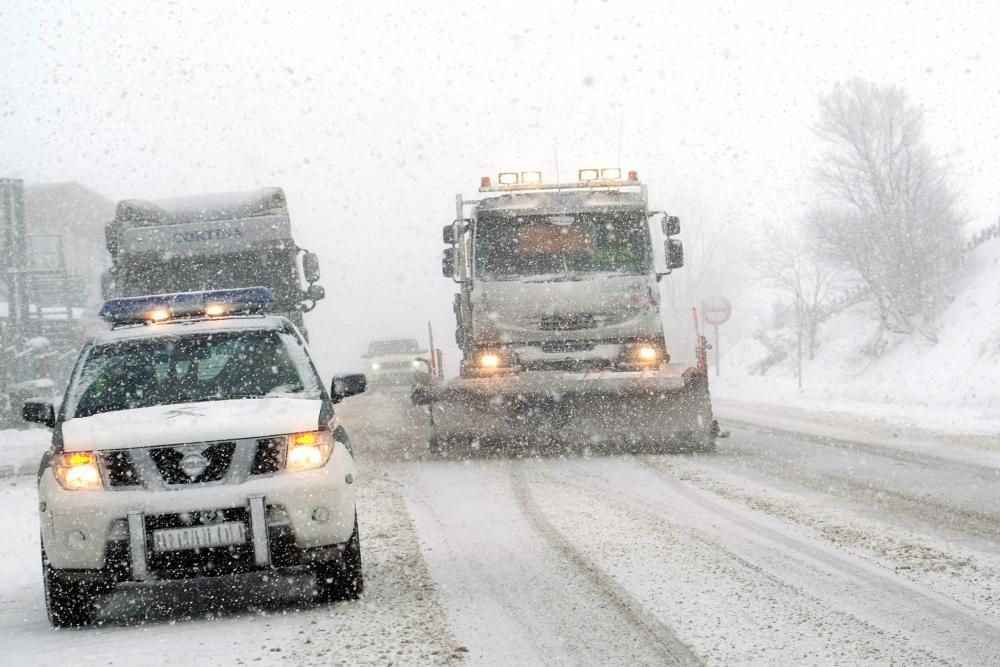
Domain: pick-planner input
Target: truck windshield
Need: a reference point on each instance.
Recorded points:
(508, 247)
(191, 368)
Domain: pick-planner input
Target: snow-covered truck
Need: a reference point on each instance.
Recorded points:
(212, 241)
(558, 320)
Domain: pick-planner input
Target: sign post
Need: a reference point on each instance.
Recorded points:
(716, 311)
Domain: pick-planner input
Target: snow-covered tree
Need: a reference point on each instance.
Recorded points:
(889, 211)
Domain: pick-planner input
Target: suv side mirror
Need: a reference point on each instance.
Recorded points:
(673, 251)
(344, 386)
(39, 412)
(671, 225)
(310, 267)
(448, 263)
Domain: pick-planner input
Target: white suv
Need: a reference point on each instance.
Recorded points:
(396, 362)
(195, 439)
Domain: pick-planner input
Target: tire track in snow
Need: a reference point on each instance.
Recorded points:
(673, 649)
(841, 580)
(980, 524)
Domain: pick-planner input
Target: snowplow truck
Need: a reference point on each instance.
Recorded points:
(559, 324)
(212, 241)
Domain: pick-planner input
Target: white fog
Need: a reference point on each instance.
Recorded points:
(579, 477)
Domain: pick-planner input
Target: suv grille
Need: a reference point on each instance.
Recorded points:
(120, 468)
(269, 457)
(176, 463)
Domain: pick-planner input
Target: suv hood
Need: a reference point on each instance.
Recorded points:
(191, 422)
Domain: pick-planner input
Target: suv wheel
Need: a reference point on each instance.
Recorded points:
(342, 579)
(69, 604)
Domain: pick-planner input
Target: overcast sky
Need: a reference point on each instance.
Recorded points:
(372, 116)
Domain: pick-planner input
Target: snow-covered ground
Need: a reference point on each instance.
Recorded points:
(952, 385)
(22, 450)
(839, 545)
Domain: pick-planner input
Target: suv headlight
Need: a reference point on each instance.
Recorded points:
(77, 471)
(308, 451)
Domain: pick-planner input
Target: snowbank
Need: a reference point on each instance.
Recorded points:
(22, 450)
(952, 385)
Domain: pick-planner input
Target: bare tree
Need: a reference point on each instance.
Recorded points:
(788, 263)
(889, 211)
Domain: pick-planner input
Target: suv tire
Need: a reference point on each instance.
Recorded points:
(342, 579)
(69, 605)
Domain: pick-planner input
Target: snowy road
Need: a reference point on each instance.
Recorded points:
(783, 548)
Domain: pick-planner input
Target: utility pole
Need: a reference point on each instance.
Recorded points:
(14, 248)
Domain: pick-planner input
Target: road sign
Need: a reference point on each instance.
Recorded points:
(716, 310)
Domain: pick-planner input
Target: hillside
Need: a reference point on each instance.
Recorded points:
(953, 384)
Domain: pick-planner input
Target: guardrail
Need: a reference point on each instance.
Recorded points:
(860, 293)
(983, 235)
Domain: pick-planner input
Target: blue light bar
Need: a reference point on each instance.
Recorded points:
(164, 307)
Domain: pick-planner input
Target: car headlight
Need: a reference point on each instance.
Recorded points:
(376, 366)
(77, 471)
(308, 451)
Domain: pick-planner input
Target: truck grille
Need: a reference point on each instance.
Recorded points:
(172, 462)
(573, 322)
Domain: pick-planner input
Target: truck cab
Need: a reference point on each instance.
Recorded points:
(212, 241)
(558, 319)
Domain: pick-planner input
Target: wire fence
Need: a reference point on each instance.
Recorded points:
(859, 293)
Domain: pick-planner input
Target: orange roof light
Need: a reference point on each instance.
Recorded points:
(633, 177)
(484, 182)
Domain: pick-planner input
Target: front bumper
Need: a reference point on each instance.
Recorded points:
(291, 518)
(594, 406)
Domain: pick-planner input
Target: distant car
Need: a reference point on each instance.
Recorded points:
(396, 362)
(195, 439)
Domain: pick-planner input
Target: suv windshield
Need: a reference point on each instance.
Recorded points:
(191, 368)
(379, 348)
(508, 247)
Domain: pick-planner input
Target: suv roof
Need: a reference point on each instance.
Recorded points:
(194, 325)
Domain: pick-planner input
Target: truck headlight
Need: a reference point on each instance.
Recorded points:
(77, 471)
(644, 354)
(308, 451)
(489, 361)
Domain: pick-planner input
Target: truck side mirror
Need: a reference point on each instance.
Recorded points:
(315, 292)
(671, 225)
(448, 263)
(448, 234)
(344, 386)
(310, 267)
(673, 251)
(39, 412)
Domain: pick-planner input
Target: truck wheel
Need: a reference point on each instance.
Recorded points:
(342, 579)
(69, 605)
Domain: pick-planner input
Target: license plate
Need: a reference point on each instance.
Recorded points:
(200, 537)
